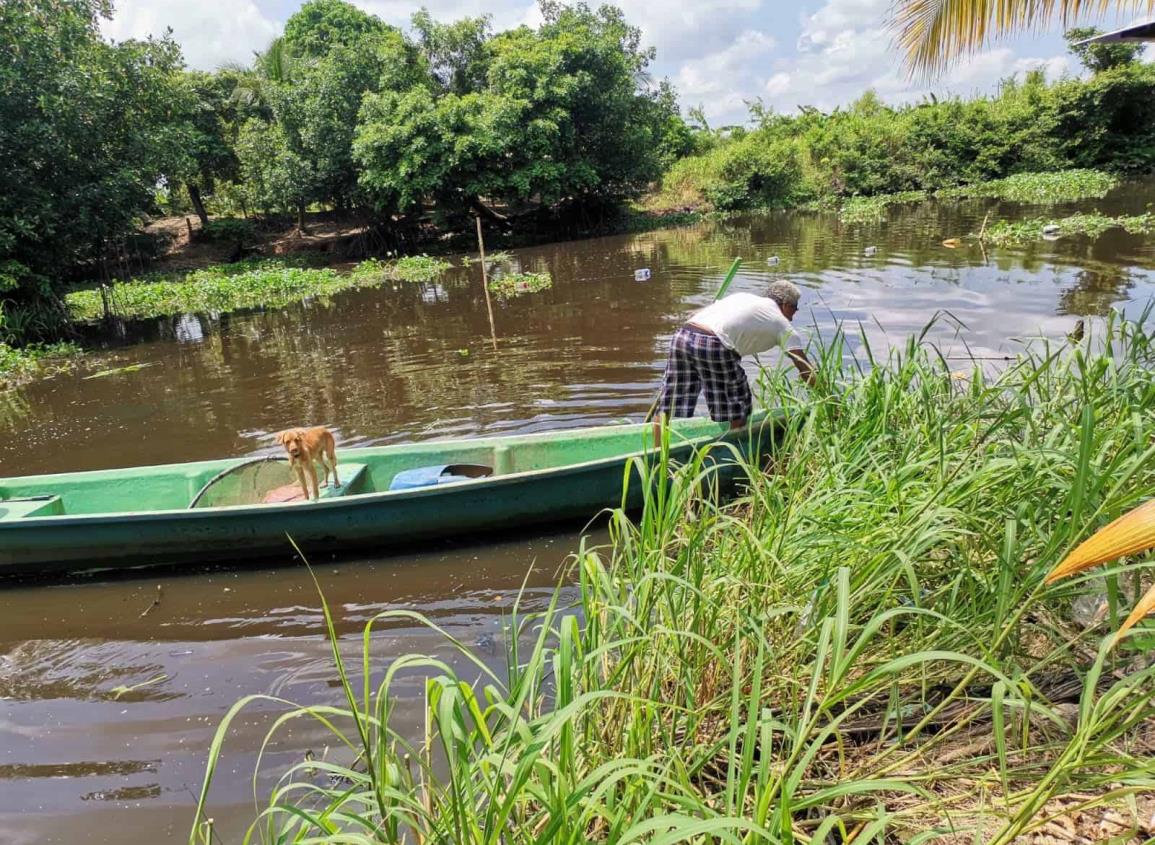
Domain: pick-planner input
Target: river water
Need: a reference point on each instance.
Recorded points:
(81, 759)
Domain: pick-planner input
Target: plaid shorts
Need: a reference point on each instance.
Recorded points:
(699, 359)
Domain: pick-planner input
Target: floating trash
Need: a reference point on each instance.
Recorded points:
(1052, 229)
(772, 261)
(870, 250)
(952, 243)
(642, 275)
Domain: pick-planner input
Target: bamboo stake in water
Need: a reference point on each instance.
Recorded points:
(730, 274)
(485, 283)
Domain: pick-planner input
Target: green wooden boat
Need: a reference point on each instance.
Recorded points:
(388, 496)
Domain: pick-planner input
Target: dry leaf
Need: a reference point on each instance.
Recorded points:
(1131, 533)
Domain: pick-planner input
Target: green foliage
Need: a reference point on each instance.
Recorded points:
(297, 150)
(511, 285)
(22, 364)
(87, 129)
(1106, 123)
(319, 27)
(864, 209)
(1099, 57)
(230, 230)
(1060, 186)
(1005, 233)
(563, 115)
(409, 268)
(256, 283)
(860, 647)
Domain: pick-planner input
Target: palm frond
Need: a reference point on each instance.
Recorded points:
(930, 34)
(1133, 532)
(1145, 606)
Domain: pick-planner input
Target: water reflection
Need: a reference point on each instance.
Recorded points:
(416, 361)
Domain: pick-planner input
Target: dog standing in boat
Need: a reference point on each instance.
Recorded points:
(306, 448)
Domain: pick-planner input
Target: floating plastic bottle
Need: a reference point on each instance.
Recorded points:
(870, 250)
(772, 261)
(642, 275)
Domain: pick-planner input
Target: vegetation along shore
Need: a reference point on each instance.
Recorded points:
(860, 646)
(329, 130)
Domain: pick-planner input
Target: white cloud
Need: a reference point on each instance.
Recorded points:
(840, 16)
(721, 81)
(690, 31)
(210, 32)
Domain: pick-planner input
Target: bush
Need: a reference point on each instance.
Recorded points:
(230, 230)
(1106, 123)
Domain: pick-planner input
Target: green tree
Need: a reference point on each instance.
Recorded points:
(309, 87)
(208, 151)
(87, 129)
(456, 52)
(1099, 57)
(321, 26)
(567, 114)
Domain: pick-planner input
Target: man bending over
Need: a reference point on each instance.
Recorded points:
(707, 353)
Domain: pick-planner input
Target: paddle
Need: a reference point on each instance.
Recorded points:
(730, 274)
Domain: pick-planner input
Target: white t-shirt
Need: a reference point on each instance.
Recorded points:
(746, 323)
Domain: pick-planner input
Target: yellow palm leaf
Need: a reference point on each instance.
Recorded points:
(1131, 533)
(1145, 606)
(932, 33)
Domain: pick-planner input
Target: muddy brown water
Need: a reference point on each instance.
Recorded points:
(106, 714)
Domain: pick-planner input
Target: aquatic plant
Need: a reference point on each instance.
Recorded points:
(859, 647)
(269, 283)
(20, 364)
(202, 291)
(418, 268)
(511, 285)
(1007, 233)
(1040, 188)
(410, 268)
(866, 209)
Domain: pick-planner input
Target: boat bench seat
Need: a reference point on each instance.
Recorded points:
(351, 475)
(31, 506)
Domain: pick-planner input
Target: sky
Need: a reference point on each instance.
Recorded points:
(720, 54)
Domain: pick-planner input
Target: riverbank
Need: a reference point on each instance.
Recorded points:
(862, 642)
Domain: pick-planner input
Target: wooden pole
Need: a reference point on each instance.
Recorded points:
(485, 282)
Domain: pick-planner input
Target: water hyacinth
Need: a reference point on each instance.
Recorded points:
(512, 285)
(1006, 233)
(859, 646)
(1039, 188)
(269, 283)
(868, 209)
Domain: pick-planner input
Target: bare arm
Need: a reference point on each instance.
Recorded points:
(802, 364)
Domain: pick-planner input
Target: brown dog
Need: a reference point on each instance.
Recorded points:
(306, 447)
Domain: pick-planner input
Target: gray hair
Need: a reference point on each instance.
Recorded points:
(784, 292)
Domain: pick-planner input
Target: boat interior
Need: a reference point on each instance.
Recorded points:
(269, 479)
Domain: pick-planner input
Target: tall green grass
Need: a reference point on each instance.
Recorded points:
(858, 647)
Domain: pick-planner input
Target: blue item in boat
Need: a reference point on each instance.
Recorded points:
(428, 477)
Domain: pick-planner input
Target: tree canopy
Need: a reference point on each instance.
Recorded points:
(1098, 57)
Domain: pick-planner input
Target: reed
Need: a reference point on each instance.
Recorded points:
(860, 646)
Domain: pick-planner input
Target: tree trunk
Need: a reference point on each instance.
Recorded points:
(194, 194)
(301, 230)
